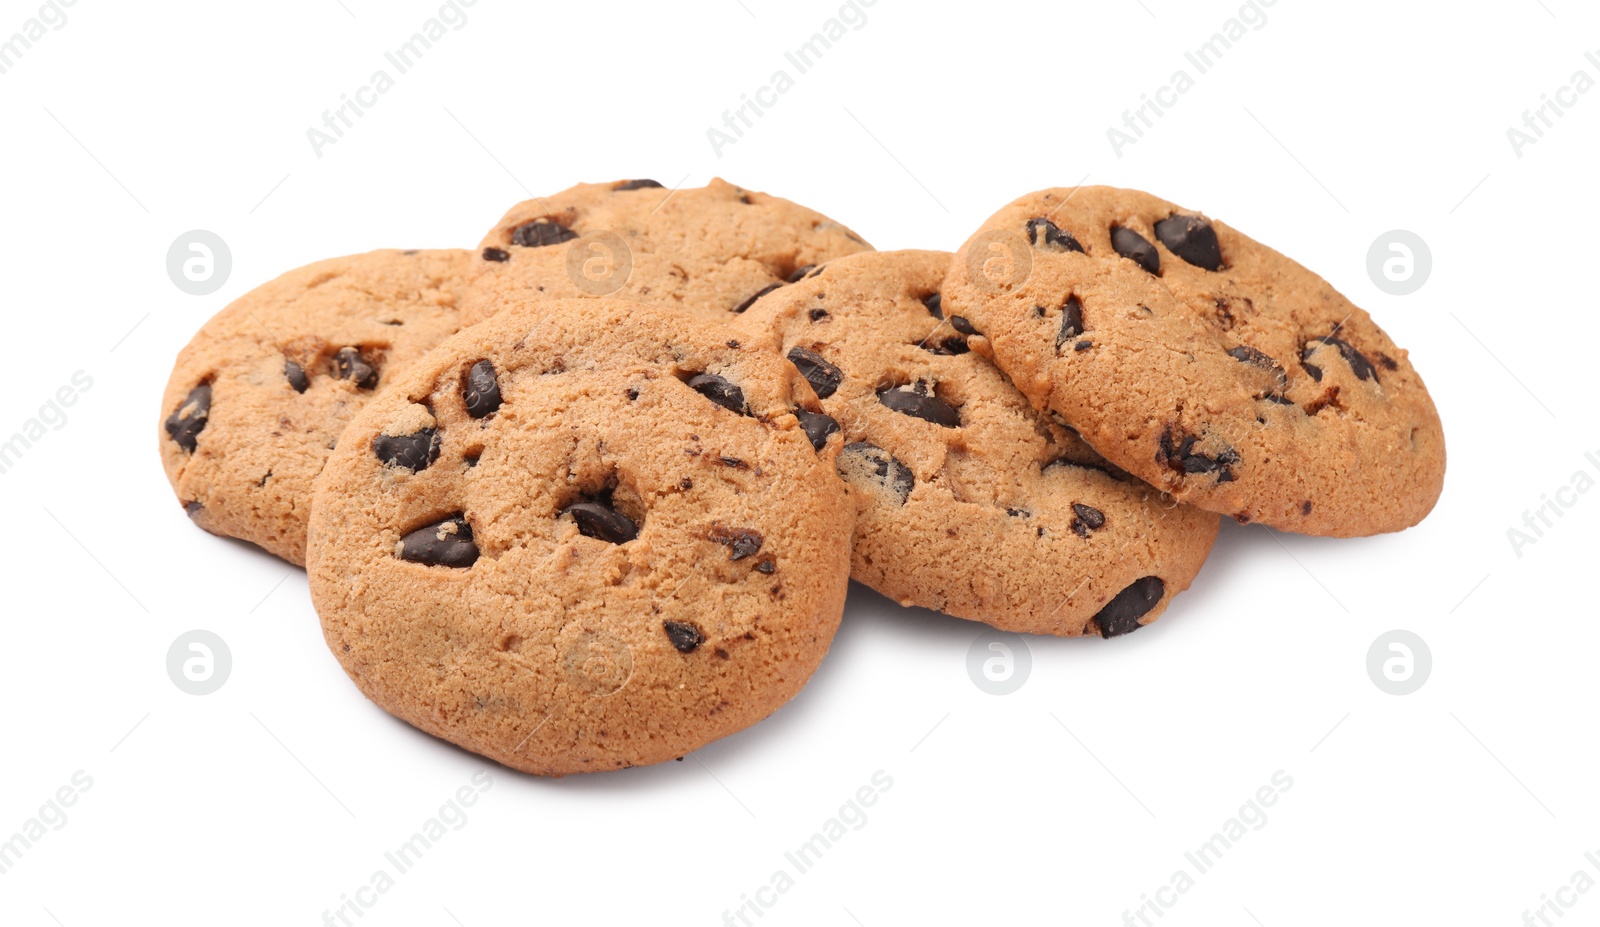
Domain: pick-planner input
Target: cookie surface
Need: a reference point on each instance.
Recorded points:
(968, 501)
(258, 398)
(705, 250)
(1203, 362)
(582, 536)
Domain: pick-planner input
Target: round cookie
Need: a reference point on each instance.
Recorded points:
(581, 536)
(258, 398)
(967, 500)
(708, 250)
(1203, 362)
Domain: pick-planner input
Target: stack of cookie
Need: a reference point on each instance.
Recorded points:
(590, 496)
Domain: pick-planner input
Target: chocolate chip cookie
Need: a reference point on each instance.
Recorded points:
(967, 500)
(258, 398)
(709, 250)
(583, 535)
(1202, 362)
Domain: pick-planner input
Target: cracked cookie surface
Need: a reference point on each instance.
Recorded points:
(581, 536)
(709, 251)
(968, 500)
(258, 397)
(1202, 362)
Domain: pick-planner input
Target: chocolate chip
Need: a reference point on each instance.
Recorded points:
(873, 463)
(448, 543)
(741, 542)
(1313, 369)
(800, 273)
(296, 375)
(1086, 519)
(935, 304)
(409, 452)
(1121, 615)
(1047, 236)
(350, 364)
(918, 404)
(1245, 354)
(684, 636)
(955, 344)
(1387, 361)
(541, 232)
(818, 427)
(719, 391)
(823, 376)
(767, 566)
(1179, 454)
(1018, 513)
(481, 391)
(1071, 321)
(637, 185)
(818, 315)
(497, 255)
(193, 509)
(1136, 248)
(751, 299)
(1083, 345)
(598, 520)
(1191, 238)
(960, 324)
(1358, 362)
(1305, 507)
(189, 419)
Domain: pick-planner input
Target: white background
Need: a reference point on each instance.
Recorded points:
(1066, 802)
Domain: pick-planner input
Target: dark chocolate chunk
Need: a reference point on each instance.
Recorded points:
(684, 636)
(818, 314)
(481, 391)
(768, 566)
(193, 509)
(350, 364)
(541, 232)
(409, 452)
(1358, 362)
(960, 324)
(1136, 248)
(598, 520)
(637, 185)
(1071, 321)
(872, 462)
(1191, 238)
(1083, 345)
(296, 375)
(1085, 519)
(1180, 455)
(918, 404)
(189, 419)
(741, 542)
(823, 376)
(448, 543)
(1121, 615)
(1047, 236)
(818, 427)
(955, 344)
(1305, 507)
(1245, 354)
(719, 391)
(498, 255)
(935, 304)
(751, 299)
(800, 273)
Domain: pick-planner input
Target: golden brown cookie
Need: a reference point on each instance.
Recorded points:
(1202, 361)
(967, 500)
(258, 398)
(706, 250)
(582, 535)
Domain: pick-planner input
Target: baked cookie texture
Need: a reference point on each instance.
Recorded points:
(258, 398)
(707, 251)
(967, 500)
(1202, 362)
(580, 536)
